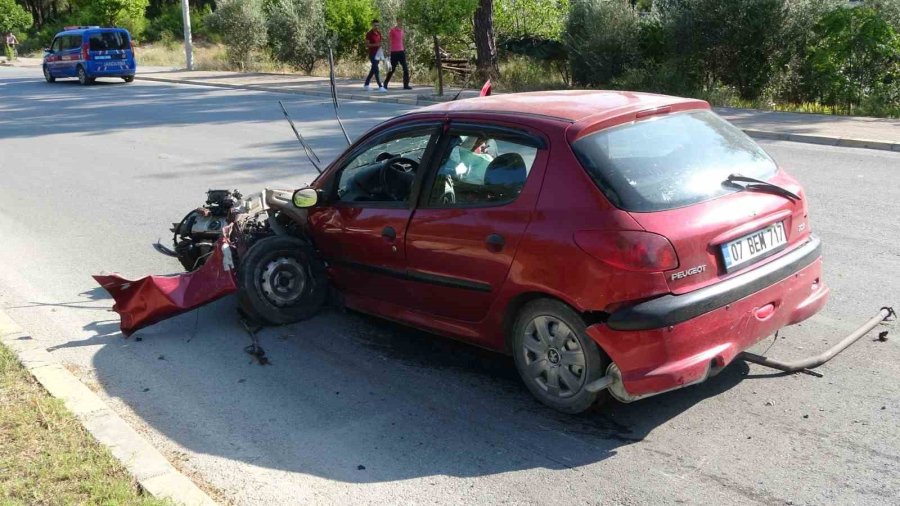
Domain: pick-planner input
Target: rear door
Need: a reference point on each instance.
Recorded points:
(670, 174)
(110, 49)
(477, 204)
(361, 228)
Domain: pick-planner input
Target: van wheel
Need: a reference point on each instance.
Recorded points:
(555, 357)
(281, 280)
(48, 76)
(83, 78)
(128, 79)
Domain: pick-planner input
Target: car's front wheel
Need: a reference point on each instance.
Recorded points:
(48, 76)
(555, 357)
(128, 79)
(281, 280)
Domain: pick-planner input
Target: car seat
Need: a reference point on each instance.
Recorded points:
(505, 176)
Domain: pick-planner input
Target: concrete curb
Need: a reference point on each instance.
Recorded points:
(824, 140)
(148, 466)
(759, 134)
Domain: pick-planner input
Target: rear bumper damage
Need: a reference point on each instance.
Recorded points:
(653, 360)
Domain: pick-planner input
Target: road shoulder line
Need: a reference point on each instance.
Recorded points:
(148, 466)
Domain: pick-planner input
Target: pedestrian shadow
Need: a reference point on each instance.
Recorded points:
(356, 399)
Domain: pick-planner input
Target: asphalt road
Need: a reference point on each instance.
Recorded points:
(356, 410)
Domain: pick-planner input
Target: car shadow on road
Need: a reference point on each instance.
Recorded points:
(357, 399)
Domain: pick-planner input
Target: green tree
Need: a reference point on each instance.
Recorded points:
(347, 22)
(725, 41)
(128, 14)
(13, 18)
(602, 38)
(542, 19)
(296, 31)
(855, 55)
(439, 18)
(242, 24)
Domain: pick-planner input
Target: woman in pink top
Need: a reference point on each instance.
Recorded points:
(398, 55)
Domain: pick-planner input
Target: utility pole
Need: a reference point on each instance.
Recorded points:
(188, 45)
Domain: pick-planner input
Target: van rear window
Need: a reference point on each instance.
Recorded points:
(109, 41)
(671, 161)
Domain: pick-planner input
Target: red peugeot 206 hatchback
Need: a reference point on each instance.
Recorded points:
(610, 241)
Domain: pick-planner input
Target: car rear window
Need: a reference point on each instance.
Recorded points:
(108, 41)
(670, 161)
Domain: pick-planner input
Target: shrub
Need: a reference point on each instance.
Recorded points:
(242, 25)
(855, 56)
(347, 22)
(128, 14)
(602, 39)
(296, 32)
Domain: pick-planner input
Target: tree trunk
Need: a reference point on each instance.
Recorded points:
(437, 65)
(485, 42)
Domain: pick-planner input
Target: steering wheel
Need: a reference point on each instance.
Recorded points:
(397, 175)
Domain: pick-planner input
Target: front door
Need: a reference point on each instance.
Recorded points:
(463, 236)
(361, 228)
(54, 59)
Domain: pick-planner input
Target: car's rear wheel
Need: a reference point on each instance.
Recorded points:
(83, 78)
(48, 76)
(281, 280)
(555, 357)
(128, 79)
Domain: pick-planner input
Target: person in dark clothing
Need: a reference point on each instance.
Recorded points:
(398, 54)
(373, 43)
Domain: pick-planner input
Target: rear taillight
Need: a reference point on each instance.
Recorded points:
(630, 250)
(85, 52)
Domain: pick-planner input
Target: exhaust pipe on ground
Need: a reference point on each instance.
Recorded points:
(805, 365)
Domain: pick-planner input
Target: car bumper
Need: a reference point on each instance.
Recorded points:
(107, 70)
(677, 340)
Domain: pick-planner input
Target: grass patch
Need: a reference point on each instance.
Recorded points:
(46, 456)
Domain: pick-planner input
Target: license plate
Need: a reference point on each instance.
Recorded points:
(745, 250)
(103, 57)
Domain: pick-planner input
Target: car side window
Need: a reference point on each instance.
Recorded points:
(54, 47)
(480, 168)
(72, 42)
(384, 172)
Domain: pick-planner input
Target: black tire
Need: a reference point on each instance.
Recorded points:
(47, 76)
(281, 280)
(128, 79)
(83, 78)
(537, 367)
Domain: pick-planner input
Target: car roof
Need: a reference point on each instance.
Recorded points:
(79, 31)
(586, 108)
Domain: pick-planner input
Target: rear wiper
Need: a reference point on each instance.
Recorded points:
(759, 184)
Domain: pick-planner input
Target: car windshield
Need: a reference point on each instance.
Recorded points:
(107, 41)
(670, 161)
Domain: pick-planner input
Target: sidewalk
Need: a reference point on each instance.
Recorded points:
(847, 131)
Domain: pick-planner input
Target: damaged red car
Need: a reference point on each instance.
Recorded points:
(612, 242)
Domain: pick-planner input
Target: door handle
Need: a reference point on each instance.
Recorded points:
(389, 234)
(495, 242)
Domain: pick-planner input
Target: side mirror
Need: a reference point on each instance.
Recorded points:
(47, 50)
(305, 197)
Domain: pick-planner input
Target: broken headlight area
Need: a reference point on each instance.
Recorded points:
(253, 218)
(211, 243)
